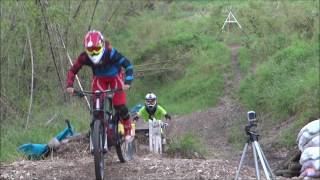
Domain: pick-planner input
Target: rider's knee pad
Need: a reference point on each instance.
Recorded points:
(123, 111)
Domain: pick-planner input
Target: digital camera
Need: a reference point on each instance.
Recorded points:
(252, 117)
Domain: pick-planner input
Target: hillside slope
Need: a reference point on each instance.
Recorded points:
(211, 126)
(271, 67)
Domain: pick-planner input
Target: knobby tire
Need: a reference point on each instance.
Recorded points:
(118, 144)
(98, 142)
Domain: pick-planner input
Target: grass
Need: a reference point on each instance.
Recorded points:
(186, 145)
(192, 90)
(245, 60)
(14, 134)
(287, 84)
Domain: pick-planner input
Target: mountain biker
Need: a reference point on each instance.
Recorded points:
(107, 64)
(152, 109)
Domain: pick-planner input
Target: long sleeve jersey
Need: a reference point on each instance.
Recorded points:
(109, 66)
(158, 114)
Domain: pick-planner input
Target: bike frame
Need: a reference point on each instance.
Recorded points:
(103, 115)
(103, 110)
(155, 135)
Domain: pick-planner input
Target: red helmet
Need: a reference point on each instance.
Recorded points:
(94, 45)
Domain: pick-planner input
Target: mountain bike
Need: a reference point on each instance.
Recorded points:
(157, 139)
(105, 129)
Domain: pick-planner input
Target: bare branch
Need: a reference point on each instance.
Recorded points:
(32, 72)
(78, 8)
(112, 15)
(94, 11)
(51, 49)
(51, 119)
(70, 61)
(155, 63)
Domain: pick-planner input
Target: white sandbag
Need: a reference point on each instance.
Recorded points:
(310, 153)
(314, 142)
(312, 127)
(307, 133)
(310, 172)
(306, 140)
(311, 164)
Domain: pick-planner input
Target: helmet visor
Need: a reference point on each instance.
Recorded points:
(151, 102)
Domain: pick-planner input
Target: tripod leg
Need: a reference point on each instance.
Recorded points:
(241, 161)
(256, 161)
(266, 162)
(256, 145)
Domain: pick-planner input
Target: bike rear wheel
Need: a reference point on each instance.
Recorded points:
(98, 135)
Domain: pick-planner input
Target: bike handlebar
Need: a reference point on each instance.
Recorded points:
(83, 93)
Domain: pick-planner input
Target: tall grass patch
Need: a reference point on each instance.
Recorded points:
(43, 126)
(286, 84)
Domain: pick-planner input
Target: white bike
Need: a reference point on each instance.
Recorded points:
(156, 135)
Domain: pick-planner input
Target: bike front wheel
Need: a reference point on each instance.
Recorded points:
(98, 143)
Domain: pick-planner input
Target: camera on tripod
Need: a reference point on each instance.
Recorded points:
(257, 151)
(252, 121)
(252, 118)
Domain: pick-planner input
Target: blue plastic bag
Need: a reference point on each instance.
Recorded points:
(38, 151)
(34, 151)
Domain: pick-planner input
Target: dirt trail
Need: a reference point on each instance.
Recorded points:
(144, 167)
(211, 124)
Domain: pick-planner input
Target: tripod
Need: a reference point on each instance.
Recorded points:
(253, 139)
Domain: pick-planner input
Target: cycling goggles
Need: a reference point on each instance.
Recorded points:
(151, 102)
(92, 51)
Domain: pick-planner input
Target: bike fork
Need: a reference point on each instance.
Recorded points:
(91, 146)
(105, 147)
